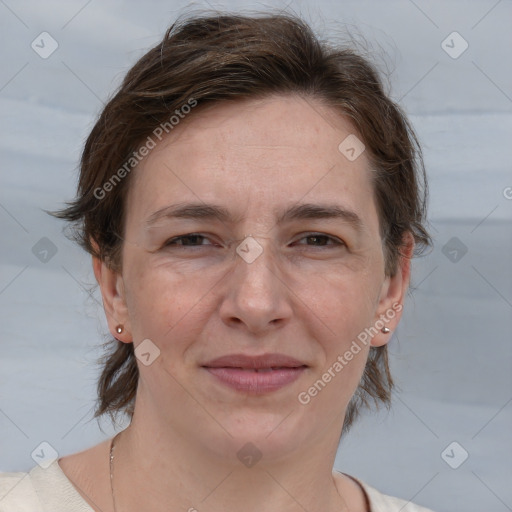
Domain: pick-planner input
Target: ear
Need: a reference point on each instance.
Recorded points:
(112, 291)
(394, 288)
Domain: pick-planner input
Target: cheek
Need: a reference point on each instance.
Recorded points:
(345, 302)
(346, 308)
(166, 302)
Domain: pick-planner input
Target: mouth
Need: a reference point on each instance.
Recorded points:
(255, 375)
(262, 370)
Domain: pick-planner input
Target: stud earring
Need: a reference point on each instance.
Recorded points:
(119, 329)
(385, 330)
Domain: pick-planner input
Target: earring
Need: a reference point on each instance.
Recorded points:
(385, 330)
(119, 329)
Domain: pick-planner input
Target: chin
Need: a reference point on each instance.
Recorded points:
(274, 434)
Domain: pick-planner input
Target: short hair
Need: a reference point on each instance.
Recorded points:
(219, 57)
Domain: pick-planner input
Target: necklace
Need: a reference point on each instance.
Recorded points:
(112, 445)
(112, 468)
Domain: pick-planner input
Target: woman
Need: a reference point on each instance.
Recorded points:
(251, 200)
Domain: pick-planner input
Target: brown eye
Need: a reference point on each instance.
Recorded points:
(190, 240)
(320, 240)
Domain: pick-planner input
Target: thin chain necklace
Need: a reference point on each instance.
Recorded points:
(112, 468)
(112, 443)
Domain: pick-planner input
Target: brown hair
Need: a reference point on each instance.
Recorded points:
(219, 57)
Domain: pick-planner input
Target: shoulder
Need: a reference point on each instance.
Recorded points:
(39, 490)
(17, 493)
(383, 503)
(378, 502)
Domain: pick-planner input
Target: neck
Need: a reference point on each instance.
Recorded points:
(157, 468)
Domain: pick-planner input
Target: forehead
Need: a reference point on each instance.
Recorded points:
(254, 153)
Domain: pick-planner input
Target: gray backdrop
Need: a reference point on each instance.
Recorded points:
(446, 443)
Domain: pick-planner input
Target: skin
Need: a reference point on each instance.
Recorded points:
(302, 297)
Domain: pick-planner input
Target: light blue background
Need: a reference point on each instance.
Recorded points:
(452, 354)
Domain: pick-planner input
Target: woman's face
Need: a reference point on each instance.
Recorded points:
(304, 286)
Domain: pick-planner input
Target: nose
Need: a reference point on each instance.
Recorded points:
(255, 296)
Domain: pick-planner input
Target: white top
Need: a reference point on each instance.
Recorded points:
(45, 490)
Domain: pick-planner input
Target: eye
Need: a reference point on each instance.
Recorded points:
(197, 240)
(321, 240)
(188, 240)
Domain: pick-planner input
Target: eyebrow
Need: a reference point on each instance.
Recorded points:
(304, 211)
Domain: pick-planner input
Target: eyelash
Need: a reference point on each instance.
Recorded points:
(336, 241)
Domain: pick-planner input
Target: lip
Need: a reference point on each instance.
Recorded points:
(255, 374)
(254, 362)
